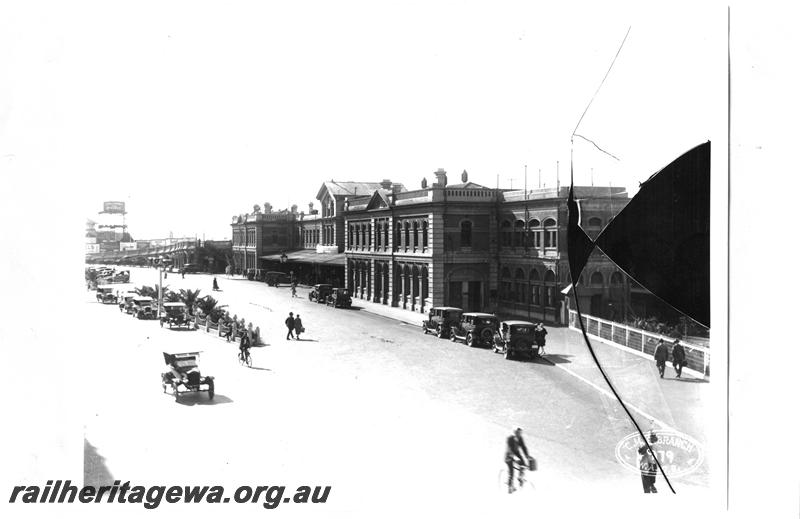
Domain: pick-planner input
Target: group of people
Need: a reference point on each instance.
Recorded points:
(678, 357)
(294, 326)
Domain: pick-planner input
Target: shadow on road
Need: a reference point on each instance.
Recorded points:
(182, 329)
(201, 398)
(260, 369)
(689, 380)
(95, 471)
(307, 340)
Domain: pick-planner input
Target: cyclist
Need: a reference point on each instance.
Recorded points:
(244, 347)
(515, 448)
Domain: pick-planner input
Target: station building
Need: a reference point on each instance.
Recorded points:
(463, 245)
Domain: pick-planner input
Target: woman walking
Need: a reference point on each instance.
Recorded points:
(298, 326)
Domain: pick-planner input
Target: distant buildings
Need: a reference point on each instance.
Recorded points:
(463, 245)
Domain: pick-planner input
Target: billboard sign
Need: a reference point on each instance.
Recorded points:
(114, 207)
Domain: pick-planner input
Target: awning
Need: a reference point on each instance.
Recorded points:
(309, 256)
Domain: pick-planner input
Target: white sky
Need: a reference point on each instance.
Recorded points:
(191, 112)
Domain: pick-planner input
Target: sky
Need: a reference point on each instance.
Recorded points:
(192, 112)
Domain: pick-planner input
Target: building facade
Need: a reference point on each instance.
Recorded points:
(477, 248)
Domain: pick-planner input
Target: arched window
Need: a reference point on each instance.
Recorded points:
(519, 233)
(534, 281)
(550, 234)
(424, 234)
(535, 234)
(505, 233)
(385, 235)
(616, 278)
(550, 281)
(466, 233)
(596, 280)
(519, 286)
(505, 284)
(406, 234)
(398, 236)
(378, 237)
(415, 230)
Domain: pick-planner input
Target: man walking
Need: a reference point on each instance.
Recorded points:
(661, 355)
(290, 326)
(678, 357)
(298, 326)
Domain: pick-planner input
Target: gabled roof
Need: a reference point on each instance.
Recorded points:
(351, 188)
(378, 200)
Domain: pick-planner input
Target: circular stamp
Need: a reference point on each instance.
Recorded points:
(679, 454)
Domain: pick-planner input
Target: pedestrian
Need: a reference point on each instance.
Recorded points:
(661, 355)
(648, 467)
(539, 334)
(183, 273)
(214, 285)
(678, 357)
(294, 289)
(290, 326)
(298, 326)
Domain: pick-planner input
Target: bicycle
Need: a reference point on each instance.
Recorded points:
(245, 358)
(520, 469)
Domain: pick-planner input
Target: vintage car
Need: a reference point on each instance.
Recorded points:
(175, 314)
(125, 301)
(143, 307)
(122, 276)
(475, 329)
(191, 268)
(516, 339)
(106, 295)
(275, 279)
(441, 319)
(340, 298)
(184, 375)
(320, 293)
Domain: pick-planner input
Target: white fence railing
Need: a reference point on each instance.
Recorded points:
(698, 358)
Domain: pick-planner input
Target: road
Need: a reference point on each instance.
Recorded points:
(365, 404)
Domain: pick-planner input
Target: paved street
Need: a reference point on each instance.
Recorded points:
(366, 404)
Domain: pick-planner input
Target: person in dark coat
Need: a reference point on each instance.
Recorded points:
(290, 325)
(215, 285)
(539, 334)
(678, 357)
(661, 355)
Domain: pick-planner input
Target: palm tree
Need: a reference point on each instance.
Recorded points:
(189, 298)
(210, 308)
(147, 291)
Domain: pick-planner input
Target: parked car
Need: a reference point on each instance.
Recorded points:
(516, 339)
(143, 307)
(320, 293)
(125, 301)
(441, 319)
(275, 279)
(122, 276)
(475, 329)
(105, 294)
(175, 314)
(191, 268)
(340, 298)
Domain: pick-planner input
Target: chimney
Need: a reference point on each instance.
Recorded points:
(424, 183)
(464, 177)
(441, 178)
(386, 184)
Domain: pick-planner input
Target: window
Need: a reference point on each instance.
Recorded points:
(385, 235)
(550, 280)
(519, 233)
(596, 280)
(535, 234)
(378, 236)
(505, 233)
(424, 234)
(534, 281)
(416, 234)
(466, 233)
(505, 284)
(519, 280)
(616, 278)
(550, 234)
(406, 235)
